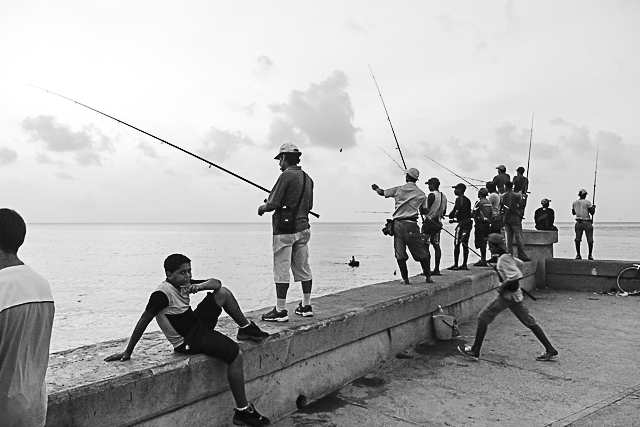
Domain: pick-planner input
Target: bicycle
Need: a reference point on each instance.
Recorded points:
(628, 280)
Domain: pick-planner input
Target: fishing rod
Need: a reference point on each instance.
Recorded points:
(165, 142)
(394, 161)
(388, 118)
(530, 141)
(595, 175)
(462, 178)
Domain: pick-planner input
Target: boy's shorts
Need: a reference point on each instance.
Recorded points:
(290, 252)
(204, 339)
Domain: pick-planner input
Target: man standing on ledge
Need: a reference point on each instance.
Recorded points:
(513, 204)
(583, 209)
(461, 214)
(409, 201)
(291, 198)
(26, 320)
(436, 209)
(502, 178)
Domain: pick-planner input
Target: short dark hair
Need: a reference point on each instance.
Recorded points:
(491, 186)
(174, 261)
(12, 231)
(508, 184)
(292, 158)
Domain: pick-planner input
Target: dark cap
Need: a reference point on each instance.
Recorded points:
(484, 192)
(460, 186)
(433, 180)
(520, 169)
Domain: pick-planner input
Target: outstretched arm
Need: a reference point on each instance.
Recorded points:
(141, 326)
(377, 189)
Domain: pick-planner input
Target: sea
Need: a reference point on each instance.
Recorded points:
(102, 275)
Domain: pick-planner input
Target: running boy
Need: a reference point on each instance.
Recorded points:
(509, 296)
(192, 331)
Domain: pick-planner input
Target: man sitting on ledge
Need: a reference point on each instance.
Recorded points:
(193, 331)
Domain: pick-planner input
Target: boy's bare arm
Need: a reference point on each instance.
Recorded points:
(141, 326)
(203, 285)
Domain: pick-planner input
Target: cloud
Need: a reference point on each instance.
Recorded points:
(319, 116)
(218, 144)
(64, 175)
(7, 156)
(264, 63)
(614, 152)
(148, 149)
(86, 144)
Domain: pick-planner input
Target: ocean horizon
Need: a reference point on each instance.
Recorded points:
(102, 274)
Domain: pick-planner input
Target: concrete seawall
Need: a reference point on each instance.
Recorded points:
(583, 275)
(352, 333)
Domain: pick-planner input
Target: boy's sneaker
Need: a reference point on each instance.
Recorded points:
(467, 351)
(252, 332)
(249, 417)
(304, 310)
(276, 316)
(547, 355)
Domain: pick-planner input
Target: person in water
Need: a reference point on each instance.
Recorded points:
(193, 331)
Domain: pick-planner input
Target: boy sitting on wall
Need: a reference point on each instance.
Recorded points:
(193, 331)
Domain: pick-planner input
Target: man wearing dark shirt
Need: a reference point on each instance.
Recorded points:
(461, 214)
(193, 331)
(545, 216)
(513, 205)
(294, 189)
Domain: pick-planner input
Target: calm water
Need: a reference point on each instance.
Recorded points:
(103, 274)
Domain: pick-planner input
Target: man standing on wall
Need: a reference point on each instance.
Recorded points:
(436, 209)
(26, 320)
(291, 198)
(409, 200)
(502, 178)
(513, 204)
(583, 209)
(461, 214)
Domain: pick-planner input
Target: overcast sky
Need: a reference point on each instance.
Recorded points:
(231, 81)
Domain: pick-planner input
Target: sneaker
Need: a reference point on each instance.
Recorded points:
(591, 257)
(405, 282)
(578, 257)
(304, 310)
(249, 417)
(251, 332)
(547, 355)
(276, 316)
(481, 263)
(436, 273)
(467, 351)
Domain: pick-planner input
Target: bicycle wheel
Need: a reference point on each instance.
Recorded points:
(628, 280)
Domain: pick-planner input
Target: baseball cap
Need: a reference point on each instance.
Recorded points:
(582, 191)
(434, 181)
(520, 169)
(483, 191)
(497, 239)
(287, 147)
(502, 167)
(543, 201)
(412, 172)
(461, 186)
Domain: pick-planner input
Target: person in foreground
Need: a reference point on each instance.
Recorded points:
(509, 296)
(583, 210)
(293, 193)
(26, 320)
(193, 331)
(409, 202)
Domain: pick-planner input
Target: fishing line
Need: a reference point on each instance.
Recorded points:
(166, 142)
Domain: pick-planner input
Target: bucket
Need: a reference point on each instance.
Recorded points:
(443, 326)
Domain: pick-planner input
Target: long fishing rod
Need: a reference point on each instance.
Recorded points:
(595, 175)
(461, 177)
(530, 141)
(166, 142)
(394, 161)
(388, 118)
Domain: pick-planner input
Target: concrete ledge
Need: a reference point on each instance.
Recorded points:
(583, 275)
(352, 333)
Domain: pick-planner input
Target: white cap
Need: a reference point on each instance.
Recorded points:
(288, 147)
(413, 173)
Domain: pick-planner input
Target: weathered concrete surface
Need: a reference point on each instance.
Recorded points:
(595, 381)
(539, 246)
(305, 357)
(583, 275)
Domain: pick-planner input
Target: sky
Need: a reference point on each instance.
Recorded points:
(462, 82)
